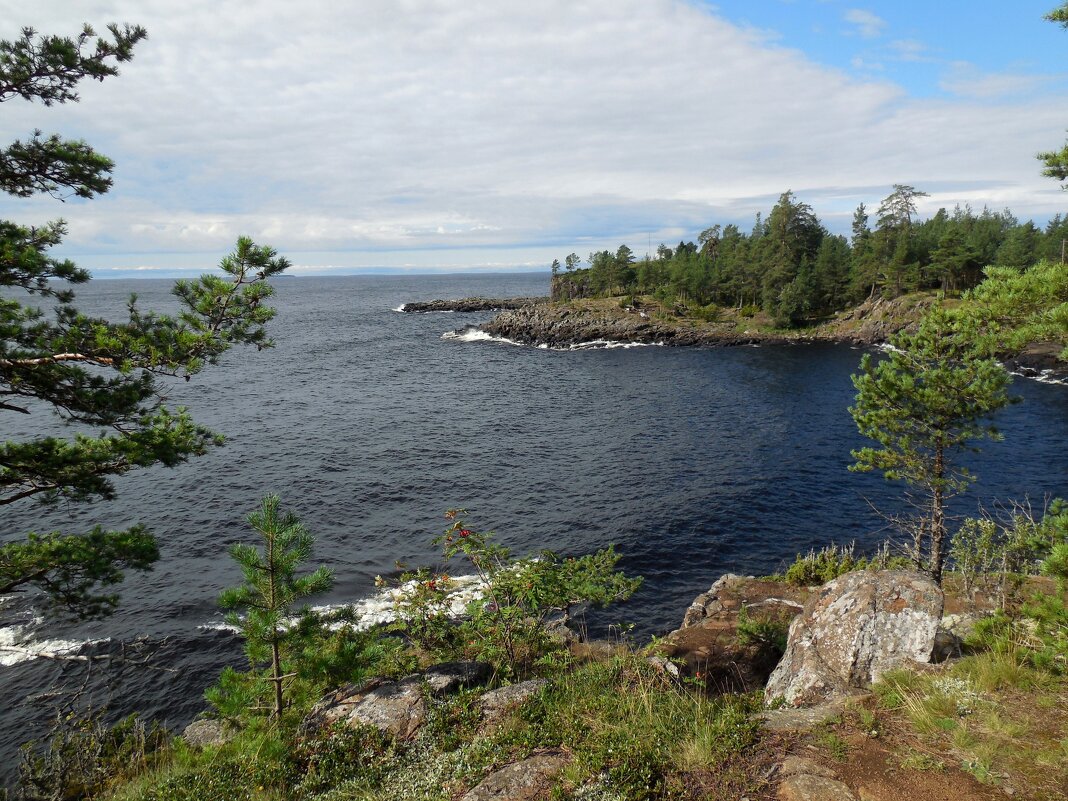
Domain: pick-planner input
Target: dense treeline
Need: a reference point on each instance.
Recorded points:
(790, 266)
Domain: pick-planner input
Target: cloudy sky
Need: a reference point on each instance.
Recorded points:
(458, 135)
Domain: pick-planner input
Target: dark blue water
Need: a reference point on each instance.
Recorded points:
(369, 425)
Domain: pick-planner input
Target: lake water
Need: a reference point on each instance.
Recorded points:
(369, 425)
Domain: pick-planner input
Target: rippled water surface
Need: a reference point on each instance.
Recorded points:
(369, 425)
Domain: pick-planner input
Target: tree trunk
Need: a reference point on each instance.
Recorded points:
(938, 520)
(276, 677)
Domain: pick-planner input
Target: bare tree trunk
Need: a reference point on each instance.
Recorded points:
(938, 520)
(276, 677)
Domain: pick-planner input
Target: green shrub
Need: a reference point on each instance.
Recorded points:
(338, 755)
(708, 314)
(84, 757)
(819, 567)
(507, 624)
(763, 630)
(832, 561)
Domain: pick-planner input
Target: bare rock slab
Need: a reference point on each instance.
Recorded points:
(801, 720)
(807, 787)
(853, 630)
(520, 781)
(397, 708)
(797, 766)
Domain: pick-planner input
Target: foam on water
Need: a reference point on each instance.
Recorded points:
(18, 645)
(399, 308)
(1041, 376)
(382, 607)
(609, 344)
(472, 334)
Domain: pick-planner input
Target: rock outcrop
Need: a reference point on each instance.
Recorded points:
(470, 305)
(852, 630)
(396, 708)
(520, 781)
(569, 326)
(496, 703)
(708, 645)
(207, 732)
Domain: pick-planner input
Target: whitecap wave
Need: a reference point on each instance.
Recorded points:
(472, 334)
(609, 344)
(17, 643)
(382, 607)
(399, 308)
(1041, 376)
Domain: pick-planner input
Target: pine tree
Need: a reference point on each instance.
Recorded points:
(925, 404)
(1056, 161)
(272, 587)
(94, 373)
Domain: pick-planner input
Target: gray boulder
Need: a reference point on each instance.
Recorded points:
(497, 702)
(397, 708)
(206, 732)
(853, 630)
(520, 781)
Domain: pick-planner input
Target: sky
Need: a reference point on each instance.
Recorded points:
(492, 135)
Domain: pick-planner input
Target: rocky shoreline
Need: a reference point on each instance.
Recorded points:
(471, 305)
(871, 324)
(562, 326)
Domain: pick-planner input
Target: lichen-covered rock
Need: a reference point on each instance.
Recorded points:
(201, 733)
(854, 629)
(397, 708)
(496, 702)
(520, 781)
(792, 719)
(806, 787)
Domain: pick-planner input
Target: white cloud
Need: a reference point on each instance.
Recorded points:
(426, 124)
(967, 80)
(868, 25)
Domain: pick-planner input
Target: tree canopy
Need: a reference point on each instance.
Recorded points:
(1056, 161)
(790, 266)
(95, 374)
(924, 405)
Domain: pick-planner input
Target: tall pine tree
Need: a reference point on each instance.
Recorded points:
(93, 373)
(925, 405)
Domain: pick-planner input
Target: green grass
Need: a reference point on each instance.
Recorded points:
(631, 733)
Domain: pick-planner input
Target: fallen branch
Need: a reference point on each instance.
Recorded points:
(59, 357)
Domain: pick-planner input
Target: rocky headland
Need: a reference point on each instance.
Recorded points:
(534, 321)
(471, 305)
(584, 322)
